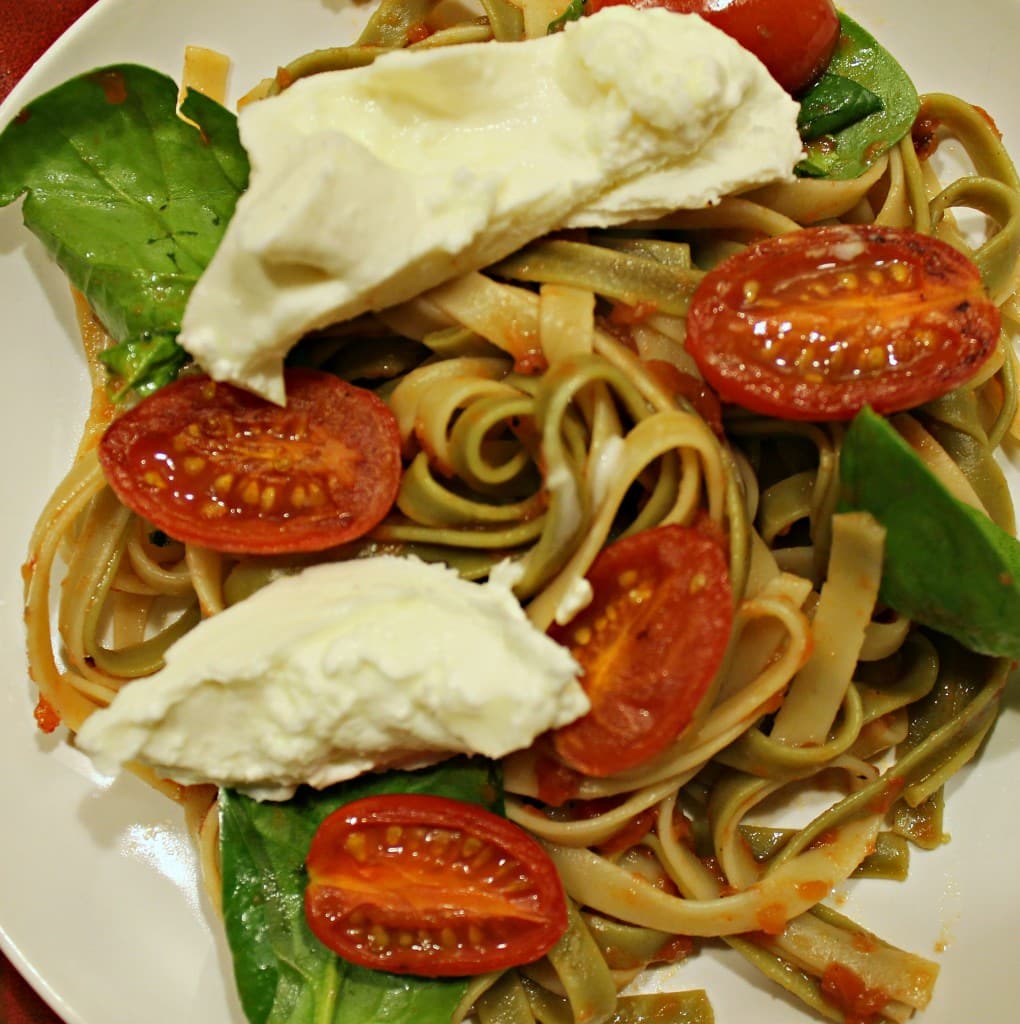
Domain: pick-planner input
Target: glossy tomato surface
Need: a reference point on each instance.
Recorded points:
(650, 645)
(817, 324)
(431, 886)
(214, 465)
(794, 39)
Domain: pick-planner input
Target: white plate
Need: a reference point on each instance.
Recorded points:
(99, 901)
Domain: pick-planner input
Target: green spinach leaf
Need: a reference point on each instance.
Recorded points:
(832, 104)
(852, 150)
(573, 12)
(129, 199)
(284, 974)
(947, 565)
(145, 366)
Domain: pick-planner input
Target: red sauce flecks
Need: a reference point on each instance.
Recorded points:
(113, 85)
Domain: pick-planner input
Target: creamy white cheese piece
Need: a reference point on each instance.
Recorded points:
(343, 668)
(371, 185)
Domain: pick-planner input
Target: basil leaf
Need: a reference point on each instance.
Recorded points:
(284, 974)
(832, 104)
(947, 565)
(849, 152)
(129, 199)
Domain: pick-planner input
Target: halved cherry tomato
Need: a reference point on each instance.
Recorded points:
(816, 324)
(426, 885)
(794, 39)
(649, 644)
(214, 465)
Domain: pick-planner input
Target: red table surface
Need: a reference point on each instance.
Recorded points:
(27, 28)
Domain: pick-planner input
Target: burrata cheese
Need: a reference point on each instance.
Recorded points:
(340, 669)
(369, 186)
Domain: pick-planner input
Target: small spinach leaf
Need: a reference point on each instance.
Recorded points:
(574, 12)
(145, 365)
(947, 565)
(832, 104)
(851, 151)
(129, 199)
(284, 974)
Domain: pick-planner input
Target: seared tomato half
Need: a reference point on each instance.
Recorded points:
(817, 324)
(650, 645)
(427, 885)
(794, 39)
(214, 465)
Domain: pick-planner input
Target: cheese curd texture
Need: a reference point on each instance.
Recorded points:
(371, 185)
(343, 668)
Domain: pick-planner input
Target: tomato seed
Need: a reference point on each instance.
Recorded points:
(876, 357)
(900, 272)
(357, 846)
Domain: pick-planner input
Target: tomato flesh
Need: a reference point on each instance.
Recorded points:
(650, 645)
(817, 324)
(794, 40)
(427, 885)
(214, 465)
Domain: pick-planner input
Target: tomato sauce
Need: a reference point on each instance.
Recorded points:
(46, 716)
(845, 990)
